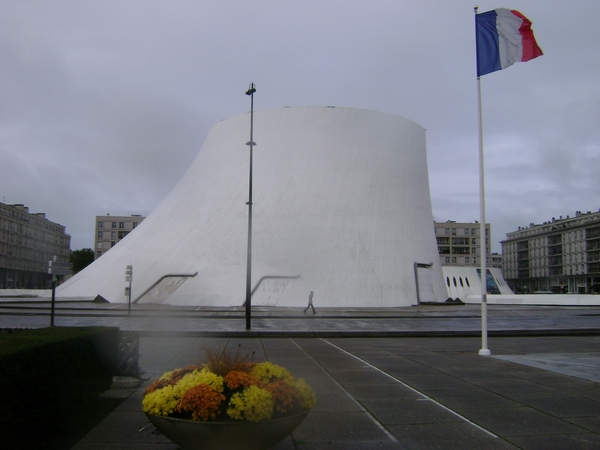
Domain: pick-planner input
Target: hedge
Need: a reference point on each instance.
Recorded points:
(49, 376)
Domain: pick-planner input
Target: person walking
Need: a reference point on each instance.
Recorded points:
(310, 303)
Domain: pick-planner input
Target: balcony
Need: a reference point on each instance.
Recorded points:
(523, 273)
(593, 256)
(593, 267)
(556, 250)
(555, 240)
(593, 245)
(592, 233)
(460, 241)
(523, 245)
(461, 250)
(555, 271)
(555, 261)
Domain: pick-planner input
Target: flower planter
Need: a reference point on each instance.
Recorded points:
(227, 403)
(211, 435)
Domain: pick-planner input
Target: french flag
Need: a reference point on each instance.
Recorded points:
(503, 37)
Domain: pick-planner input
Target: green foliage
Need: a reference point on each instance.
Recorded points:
(49, 376)
(81, 259)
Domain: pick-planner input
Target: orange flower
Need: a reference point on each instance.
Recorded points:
(156, 384)
(235, 379)
(287, 399)
(180, 373)
(202, 401)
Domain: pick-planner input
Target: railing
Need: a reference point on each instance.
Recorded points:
(182, 275)
(129, 354)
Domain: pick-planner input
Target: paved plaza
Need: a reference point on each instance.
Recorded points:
(406, 378)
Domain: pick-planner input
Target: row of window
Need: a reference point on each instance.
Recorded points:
(32, 219)
(496, 262)
(113, 234)
(457, 241)
(571, 236)
(114, 224)
(465, 260)
(100, 244)
(542, 251)
(461, 250)
(466, 231)
(575, 269)
(7, 226)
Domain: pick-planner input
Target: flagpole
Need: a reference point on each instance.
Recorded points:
(251, 90)
(484, 351)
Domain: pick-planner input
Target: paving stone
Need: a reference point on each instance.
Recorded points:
(367, 376)
(369, 445)
(515, 388)
(557, 442)
(562, 405)
(125, 427)
(475, 374)
(338, 427)
(82, 445)
(520, 421)
(589, 423)
(131, 403)
(408, 411)
(460, 399)
(579, 364)
(384, 392)
(447, 436)
(335, 402)
(432, 380)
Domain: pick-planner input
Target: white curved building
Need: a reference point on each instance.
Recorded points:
(341, 207)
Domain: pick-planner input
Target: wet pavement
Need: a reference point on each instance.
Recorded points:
(407, 378)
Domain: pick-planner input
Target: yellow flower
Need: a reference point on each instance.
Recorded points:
(309, 399)
(167, 375)
(267, 372)
(160, 402)
(253, 404)
(195, 378)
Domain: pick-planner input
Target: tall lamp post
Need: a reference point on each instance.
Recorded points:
(251, 90)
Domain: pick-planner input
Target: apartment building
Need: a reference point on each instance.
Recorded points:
(111, 229)
(459, 244)
(28, 241)
(561, 255)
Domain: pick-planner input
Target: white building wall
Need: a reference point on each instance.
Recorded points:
(341, 201)
(465, 282)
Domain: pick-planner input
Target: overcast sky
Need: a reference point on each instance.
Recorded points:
(104, 104)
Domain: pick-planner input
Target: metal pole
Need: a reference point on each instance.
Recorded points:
(251, 90)
(484, 351)
(129, 297)
(53, 301)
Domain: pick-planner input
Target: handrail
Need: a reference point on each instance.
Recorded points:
(182, 275)
(269, 276)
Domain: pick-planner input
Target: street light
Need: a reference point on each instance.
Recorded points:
(251, 90)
